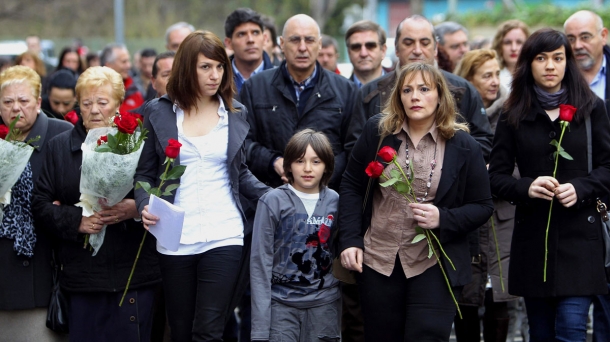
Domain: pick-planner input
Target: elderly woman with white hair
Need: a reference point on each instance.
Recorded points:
(95, 283)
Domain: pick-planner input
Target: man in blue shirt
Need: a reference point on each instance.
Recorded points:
(366, 48)
(587, 35)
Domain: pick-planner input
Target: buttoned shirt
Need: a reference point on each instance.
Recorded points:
(598, 85)
(239, 78)
(392, 228)
(211, 217)
(300, 86)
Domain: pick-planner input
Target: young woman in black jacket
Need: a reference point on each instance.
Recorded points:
(547, 77)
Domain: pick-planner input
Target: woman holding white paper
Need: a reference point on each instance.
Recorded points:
(95, 283)
(201, 278)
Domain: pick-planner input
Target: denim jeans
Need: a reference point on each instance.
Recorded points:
(601, 318)
(558, 318)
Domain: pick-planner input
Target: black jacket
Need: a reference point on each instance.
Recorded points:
(607, 98)
(375, 93)
(274, 118)
(463, 196)
(575, 247)
(81, 272)
(25, 283)
(267, 64)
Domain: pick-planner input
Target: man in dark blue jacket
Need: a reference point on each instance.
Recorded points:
(244, 34)
(298, 94)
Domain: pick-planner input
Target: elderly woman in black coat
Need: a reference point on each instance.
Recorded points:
(547, 76)
(25, 249)
(95, 284)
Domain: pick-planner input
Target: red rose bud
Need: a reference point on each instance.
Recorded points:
(126, 123)
(566, 112)
(71, 117)
(3, 131)
(374, 170)
(173, 148)
(387, 154)
(102, 139)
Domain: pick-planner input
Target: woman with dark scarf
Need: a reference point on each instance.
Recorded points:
(546, 77)
(25, 250)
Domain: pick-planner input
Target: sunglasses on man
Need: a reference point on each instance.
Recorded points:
(368, 45)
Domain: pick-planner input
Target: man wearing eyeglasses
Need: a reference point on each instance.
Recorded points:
(296, 95)
(366, 47)
(587, 36)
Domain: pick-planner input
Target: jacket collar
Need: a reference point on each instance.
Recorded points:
(384, 84)
(77, 136)
(39, 129)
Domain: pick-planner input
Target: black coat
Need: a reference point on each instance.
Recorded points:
(575, 247)
(376, 93)
(109, 270)
(463, 196)
(274, 118)
(25, 283)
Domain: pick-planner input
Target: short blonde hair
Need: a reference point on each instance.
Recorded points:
(99, 76)
(472, 61)
(446, 114)
(20, 74)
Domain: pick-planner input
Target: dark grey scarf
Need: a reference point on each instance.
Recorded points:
(550, 101)
(18, 222)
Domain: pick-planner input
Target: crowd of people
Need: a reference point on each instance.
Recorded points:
(391, 205)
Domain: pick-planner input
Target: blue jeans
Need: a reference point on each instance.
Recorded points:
(558, 318)
(601, 318)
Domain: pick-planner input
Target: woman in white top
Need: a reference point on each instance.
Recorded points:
(200, 278)
(508, 41)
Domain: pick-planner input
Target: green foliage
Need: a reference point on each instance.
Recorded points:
(534, 15)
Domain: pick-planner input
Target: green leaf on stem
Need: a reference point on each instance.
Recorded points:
(112, 142)
(170, 188)
(418, 238)
(554, 142)
(419, 230)
(144, 186)
(565, 154)
(395, 174)
(431, 251)
(389, 182)
(411, 169)
(402, 187)
(175, 173)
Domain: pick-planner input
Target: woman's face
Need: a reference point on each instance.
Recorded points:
(70, 61)
(28, 62)
(511, 46)
(209, 74)
(419, 100)
(487, 81)
(548, 69)
(17, 99)
(97, 106)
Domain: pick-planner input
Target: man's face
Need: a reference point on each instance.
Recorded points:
(146, 65)
(328, 57)
(164, 69)
(176, 37)
(586, 40)
(121, 63)
(456, 45)
(416, 43)
(365, 52)
(301, 43)
(247, 43)
(62, 100)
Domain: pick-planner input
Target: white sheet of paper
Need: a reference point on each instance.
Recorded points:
(168, 229)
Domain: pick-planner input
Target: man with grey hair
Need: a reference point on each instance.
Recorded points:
(175, 34)
(588, 36)
(296, 95)
(453, 41)
(366, 48)
(116, 57)
(329, 54)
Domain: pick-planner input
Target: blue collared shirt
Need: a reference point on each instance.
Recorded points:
(598, 85)
(359, 84)
(239, 79)
(299, 87)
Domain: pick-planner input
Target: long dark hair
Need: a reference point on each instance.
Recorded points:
(183, 85)
(522, 96)
(63, 54)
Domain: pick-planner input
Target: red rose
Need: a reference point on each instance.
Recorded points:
(3, 131)
(126, 123)
(71, 117)
(138, 117)
(173, 148)
(387, 154)
(566, 112)
(374, 170)
(102, 139)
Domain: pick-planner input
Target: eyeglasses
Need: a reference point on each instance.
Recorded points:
(368, 45)
(585, 38)
(297, 40)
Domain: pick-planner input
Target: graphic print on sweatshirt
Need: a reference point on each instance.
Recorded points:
(303, 251)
